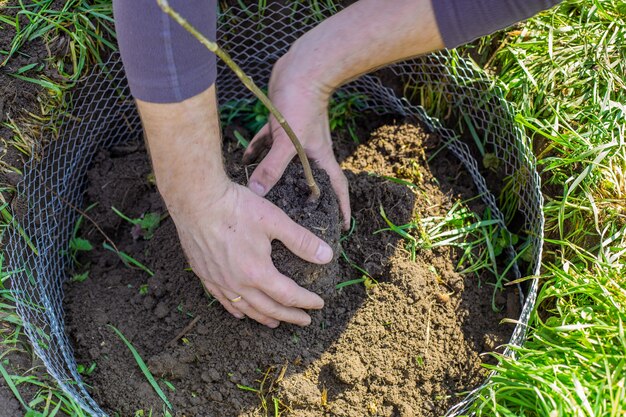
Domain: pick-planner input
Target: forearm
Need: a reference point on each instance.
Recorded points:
(185, 147)
(361, 38)
(373, 33)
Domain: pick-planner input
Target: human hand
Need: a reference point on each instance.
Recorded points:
(227, 234)
(305, 108)
(334, 52)
(224, 228)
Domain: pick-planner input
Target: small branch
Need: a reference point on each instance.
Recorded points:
(88, 217)
(247, 81)
(183, 332)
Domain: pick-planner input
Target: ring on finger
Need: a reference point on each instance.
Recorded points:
(236, 299)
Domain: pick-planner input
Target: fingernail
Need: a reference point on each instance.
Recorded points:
(239, 316)
(324, 253)
(257, 188)
(273, 324)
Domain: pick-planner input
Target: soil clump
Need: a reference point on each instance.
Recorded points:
(291, 194)
(402, 340)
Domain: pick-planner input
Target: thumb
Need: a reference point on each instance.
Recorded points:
(272, 167)
(301, 241)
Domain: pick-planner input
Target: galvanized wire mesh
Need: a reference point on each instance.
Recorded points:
(103, 114)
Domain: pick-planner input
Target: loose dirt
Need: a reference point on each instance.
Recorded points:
(403, 342)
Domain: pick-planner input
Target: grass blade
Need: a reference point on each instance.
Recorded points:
(12, 387)
(144, 368)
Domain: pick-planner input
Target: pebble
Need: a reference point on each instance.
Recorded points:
(213, 375)
(149, 302)
(215, 395)
(161, 310)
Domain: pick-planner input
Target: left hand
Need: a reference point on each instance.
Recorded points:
(305, 107)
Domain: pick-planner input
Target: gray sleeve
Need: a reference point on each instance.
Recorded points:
(461, 21)
(164, 63)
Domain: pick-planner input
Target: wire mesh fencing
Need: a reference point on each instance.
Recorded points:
(102, 114)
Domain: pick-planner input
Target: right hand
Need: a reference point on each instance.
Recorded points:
(304, 104)
(227, 234)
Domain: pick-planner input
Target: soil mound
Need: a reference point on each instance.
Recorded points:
(403, 341)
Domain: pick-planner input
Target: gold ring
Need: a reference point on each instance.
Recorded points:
(236, 299)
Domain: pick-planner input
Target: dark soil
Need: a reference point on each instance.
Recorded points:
(321, 217)
(17, 97)
(405, 346)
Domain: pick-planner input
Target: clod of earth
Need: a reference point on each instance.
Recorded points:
(320, 216)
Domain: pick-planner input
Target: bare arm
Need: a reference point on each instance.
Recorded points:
(367, 35)
(225, 230)
(364, 36)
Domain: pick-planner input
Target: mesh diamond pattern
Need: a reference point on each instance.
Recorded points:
(447, 93)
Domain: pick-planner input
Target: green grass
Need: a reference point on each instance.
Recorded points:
(573, 364)
(128, 260)
(79, 31)
(47, 399)
(565, 71)
(144, 368)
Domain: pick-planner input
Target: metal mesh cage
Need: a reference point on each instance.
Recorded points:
(103, 114)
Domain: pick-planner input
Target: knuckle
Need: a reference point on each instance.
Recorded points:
(267, 321)
(257, 279)
(291, 301)
(307, 243)
(252, 275)
(270, 311)
(286, 297)
(270, 174)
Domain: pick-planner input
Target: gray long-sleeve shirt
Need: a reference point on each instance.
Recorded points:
(165, 64)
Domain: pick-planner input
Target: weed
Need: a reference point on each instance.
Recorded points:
(86, 370)
(128, 260)
(80, 277)
(267, 391)
(77, 32)
(143, 289)
(144, 226)
(143, 367)
(76, 243)
(481, 241)
(344, 111)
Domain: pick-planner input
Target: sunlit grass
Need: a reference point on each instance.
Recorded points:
(565, 71)
(573, 363)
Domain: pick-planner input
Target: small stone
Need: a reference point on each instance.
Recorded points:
(298, 389)
(350, 371)
(161, 310)
(456, 284)
(215, 395)
(214, 375)
(443, 298)
(149, 302)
